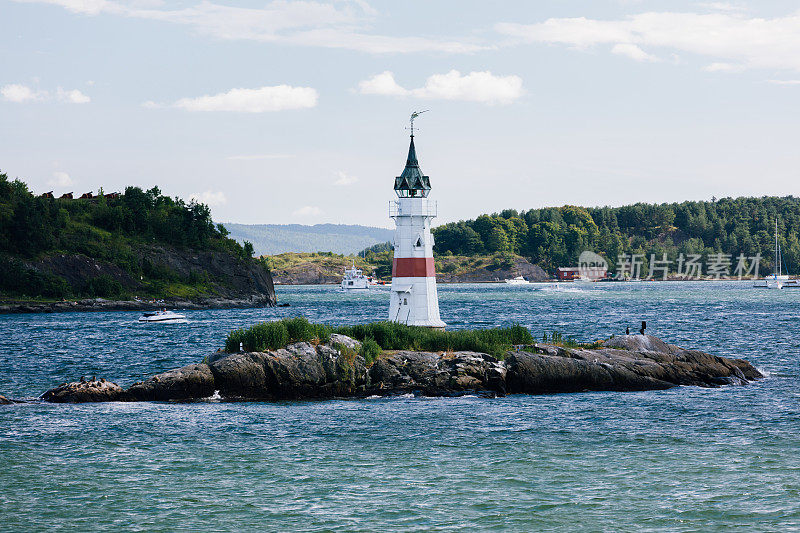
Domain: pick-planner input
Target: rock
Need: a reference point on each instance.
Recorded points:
(239, 278)
(303, 370)
(544, 373)
(86, 391)
(351, 343)
(240, 375)
(640, 343)
(187, 383)
(300, 370)
(78, 270)
(403, 371)
(435, 375)
(4, 400)
(657, 366)
(308, 274)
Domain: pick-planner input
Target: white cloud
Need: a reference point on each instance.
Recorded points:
(723, 67)
(74, 96)
(784, 82)
(21, 93)
(301, 22)
(210, 198)
(728, 36)
(723, 6)
(481, 87)
(257, 157)
(344, 179)
(632, 51)
(60, 179)
(265, 99)
(307, 211)
(382, 83)
(85, 7)
(475, 86)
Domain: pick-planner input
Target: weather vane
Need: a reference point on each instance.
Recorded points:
(414, 115)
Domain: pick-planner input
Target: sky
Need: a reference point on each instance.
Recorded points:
(277, 112)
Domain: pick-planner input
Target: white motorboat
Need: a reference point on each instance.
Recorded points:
(163, 317)
(778, 279)
(354, 279)
(519, 280)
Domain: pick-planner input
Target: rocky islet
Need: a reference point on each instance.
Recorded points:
(334, 370)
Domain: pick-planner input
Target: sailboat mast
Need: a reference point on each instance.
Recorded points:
(777, 251)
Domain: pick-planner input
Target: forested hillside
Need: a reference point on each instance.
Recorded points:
(118, 245)
(553, 237)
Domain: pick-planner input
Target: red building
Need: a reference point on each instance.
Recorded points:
(567, 273)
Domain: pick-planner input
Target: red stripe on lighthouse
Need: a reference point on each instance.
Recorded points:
(413, 267)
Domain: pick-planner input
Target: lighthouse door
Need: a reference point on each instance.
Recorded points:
(403, 305)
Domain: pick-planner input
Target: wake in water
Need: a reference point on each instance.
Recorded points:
(559, 288)
(214, 398)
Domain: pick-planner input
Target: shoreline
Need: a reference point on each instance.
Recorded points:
(538, 282)
(100, 304)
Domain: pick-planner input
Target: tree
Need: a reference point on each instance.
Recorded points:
(498, 240)
(247, 249)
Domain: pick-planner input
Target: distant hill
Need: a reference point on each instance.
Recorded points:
(271, 239)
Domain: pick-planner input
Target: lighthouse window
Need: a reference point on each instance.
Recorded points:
(405, 301)
(419, 242)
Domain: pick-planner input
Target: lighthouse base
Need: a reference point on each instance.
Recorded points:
(433, 324)
(415, 302)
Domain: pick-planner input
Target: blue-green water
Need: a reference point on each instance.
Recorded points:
(686, 459)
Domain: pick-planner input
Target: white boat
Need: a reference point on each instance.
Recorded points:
(163, 317)
(354, 279)
(778, 279)
(775, 281)
(519, 280)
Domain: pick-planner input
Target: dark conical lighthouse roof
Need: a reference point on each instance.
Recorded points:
(412, 182)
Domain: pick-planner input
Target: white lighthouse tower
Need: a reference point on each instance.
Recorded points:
(414, 300)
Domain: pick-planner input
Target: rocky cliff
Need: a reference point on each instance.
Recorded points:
(226, 280)
(303, 370)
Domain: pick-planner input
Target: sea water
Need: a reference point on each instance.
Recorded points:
(685, 459)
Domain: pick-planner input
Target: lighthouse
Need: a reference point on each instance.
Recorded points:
(414, 300)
